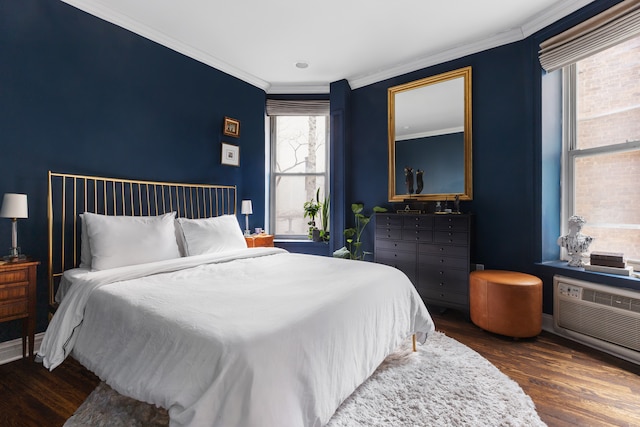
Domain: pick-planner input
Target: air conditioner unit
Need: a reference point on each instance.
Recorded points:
(603, 317)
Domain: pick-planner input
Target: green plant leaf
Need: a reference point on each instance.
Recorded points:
(379, 209)
(356, 208)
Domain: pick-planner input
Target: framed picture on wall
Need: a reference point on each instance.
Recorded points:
(231, 127)
(230, 154)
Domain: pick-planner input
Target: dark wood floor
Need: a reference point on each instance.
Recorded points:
(570, 384)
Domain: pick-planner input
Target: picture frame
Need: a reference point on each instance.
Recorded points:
(230, 154)
(231, 127)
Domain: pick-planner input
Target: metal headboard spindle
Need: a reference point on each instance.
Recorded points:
(115, 196)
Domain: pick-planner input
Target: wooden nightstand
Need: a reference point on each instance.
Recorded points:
(259, 240)
(18, 297)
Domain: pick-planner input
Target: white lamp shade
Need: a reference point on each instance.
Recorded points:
(247, 208)
(14, 206)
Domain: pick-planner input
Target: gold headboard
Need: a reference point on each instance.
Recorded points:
(70, 195)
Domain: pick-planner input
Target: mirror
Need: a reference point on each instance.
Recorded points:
(430, 138)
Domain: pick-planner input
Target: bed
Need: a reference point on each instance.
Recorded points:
(217, 333)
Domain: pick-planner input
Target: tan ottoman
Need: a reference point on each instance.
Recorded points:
(506, 302)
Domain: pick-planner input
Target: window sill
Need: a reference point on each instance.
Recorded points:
(561, 268)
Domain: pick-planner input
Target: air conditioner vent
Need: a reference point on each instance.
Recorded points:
(606, 315)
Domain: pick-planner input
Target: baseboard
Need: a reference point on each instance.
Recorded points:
(547, 323)
(12, 350)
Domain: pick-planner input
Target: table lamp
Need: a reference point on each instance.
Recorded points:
(246, 210)
(14, 206)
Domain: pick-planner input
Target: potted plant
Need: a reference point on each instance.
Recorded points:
(324, 216)
(311, 209)
(353, 249)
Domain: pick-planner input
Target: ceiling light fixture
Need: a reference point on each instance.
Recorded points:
(302, 65)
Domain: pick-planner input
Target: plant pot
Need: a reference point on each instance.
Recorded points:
(316, 235)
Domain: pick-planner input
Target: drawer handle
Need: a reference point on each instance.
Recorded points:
(441, 261)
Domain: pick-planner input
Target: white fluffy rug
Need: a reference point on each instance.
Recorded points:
(444, 383)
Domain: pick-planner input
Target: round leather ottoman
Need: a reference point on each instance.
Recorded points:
(506, 302)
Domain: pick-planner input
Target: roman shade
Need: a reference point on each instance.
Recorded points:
(615, 25)
(279, 107)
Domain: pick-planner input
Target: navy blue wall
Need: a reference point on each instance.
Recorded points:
(502, 147)
(80, 95)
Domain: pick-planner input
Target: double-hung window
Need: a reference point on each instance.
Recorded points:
(299, 151)
(601, 166)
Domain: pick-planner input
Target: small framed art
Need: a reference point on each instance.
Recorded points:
(231, 127)
(230, 154)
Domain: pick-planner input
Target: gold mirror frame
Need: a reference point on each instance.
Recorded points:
(465, 74)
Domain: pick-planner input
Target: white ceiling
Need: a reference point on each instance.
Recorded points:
(363, 41)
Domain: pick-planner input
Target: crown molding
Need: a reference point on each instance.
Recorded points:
(538, 22)
(437, 58)
(136, 27)
(285, 89)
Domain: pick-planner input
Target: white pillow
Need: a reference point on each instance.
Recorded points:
(117, 241)
(85, 249)
(209, 235)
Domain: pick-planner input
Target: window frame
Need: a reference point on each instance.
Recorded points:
(273, 174)
(570, 152)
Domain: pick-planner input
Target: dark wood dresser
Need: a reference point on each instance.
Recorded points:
(433, 250)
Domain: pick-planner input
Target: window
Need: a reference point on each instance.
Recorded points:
(299, 167)
(602, 147)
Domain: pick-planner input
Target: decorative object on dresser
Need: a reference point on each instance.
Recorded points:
(575, 242)
(433, 250)
(14, 206)
(246, 210)
(18, 297)
(261, 240)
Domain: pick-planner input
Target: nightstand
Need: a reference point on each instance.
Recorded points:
(18, 297)
(259, 240)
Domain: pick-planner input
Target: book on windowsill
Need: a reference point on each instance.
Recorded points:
(626, 271)
(607, 259)
(614, 256)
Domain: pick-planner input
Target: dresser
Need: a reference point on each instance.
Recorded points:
(18, 298)
(433, 250)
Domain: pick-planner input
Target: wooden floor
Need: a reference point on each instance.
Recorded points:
(570, 384)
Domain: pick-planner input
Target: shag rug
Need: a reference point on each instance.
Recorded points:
(444, 383)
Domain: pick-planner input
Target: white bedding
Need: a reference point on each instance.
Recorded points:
(257, 337)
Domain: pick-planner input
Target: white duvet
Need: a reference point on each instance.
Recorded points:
(258, 337)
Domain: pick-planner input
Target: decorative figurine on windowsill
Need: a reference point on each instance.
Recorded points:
(575, 242)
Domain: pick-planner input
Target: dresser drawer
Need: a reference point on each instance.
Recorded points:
(449, 280)
(14, 309)
(12, 276)
(451, 222)
(443, 261)
(403, 261)
(14, 291)
(436, 296)
(450, 237)
(385, 221)
(389, 233)
(418, 222)
(418, 235)
(395, 245)
(444, 250)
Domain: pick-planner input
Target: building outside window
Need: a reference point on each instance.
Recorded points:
(299, 168)
(602, 147)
